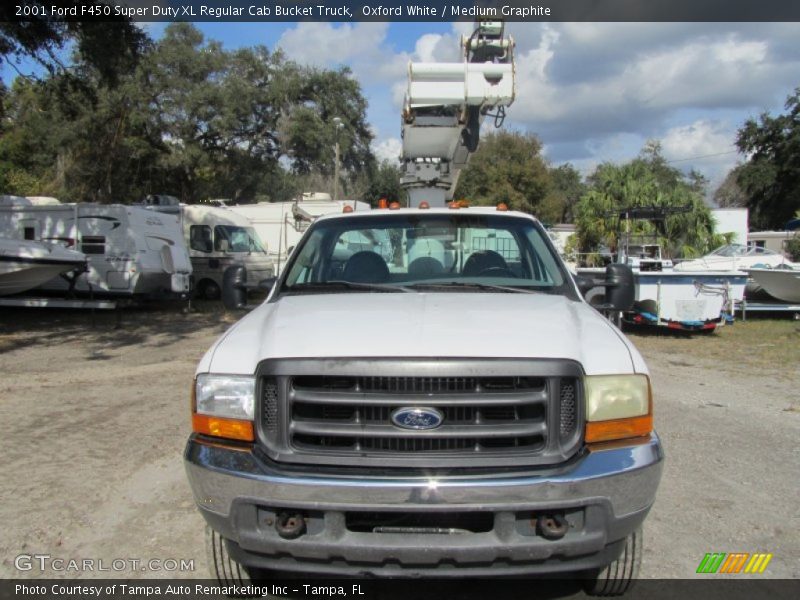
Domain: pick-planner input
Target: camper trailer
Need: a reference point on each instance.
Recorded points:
(217, 238)
(131, 252)
(282, 224)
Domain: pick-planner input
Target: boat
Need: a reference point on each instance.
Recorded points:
(780, 283)
(25, 265)
(690, 301)
(733, 257)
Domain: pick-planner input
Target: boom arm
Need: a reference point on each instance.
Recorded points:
(444, 106)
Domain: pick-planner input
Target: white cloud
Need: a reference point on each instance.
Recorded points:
(706, 146)
(593, 92)
(388, 149)
(571, 86)
(323, 44)
(701, 138)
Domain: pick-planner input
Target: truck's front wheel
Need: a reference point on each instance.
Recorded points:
(618, 577)
(226, 570)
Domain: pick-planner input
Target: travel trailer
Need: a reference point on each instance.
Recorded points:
(282, 224)
(216, 237)
(131, 251)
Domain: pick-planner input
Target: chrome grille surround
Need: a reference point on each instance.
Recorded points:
(497, 413)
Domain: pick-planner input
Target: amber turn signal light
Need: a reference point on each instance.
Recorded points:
(233, 429)
(616, 429)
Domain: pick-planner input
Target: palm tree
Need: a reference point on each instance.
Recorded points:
(646, 181)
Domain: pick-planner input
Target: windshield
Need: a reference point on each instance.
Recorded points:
(239, 239)
(740, 250)
(426, 252)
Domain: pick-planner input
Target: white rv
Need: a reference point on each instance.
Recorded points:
(282, 224)
(131, 252)
(217, 238)
(771, 240)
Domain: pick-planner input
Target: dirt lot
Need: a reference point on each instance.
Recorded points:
(95, 417)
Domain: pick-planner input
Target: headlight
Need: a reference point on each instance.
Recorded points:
(224, 406)
(230, 396)
(617, 407)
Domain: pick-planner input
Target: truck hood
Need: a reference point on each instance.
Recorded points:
(463, 325)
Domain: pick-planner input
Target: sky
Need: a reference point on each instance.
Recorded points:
(592, 92)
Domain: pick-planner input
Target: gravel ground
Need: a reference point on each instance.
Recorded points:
(95, 416)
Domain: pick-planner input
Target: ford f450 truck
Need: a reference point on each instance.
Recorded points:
(426, 393)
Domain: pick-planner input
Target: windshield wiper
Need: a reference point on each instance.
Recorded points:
(328, 286)
(475, 286)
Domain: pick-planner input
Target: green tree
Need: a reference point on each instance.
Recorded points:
(192, 120)
(383, 181)
(645, 181)
(508, 167)
(771, 176)
(112, 47)
(730, 193)
(566, 189)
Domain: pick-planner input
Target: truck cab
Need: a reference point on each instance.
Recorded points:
(425, 393)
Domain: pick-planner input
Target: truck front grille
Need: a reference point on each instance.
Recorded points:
(489, 419)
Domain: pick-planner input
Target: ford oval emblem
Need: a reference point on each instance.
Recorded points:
(415, 417)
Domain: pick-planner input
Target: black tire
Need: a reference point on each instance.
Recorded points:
(209, 290)
(220, 564)
(618, 577)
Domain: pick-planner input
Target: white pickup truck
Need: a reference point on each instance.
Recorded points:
(442, 404)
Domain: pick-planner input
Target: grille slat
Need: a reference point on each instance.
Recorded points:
(443, 399)
(390, 431)
(419, 385)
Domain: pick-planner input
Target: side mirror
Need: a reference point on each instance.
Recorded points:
(234, 290)
(584, 283)
(620, 287)
(266, 284)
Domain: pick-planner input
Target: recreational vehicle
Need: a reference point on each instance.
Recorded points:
(282, 224)
(131, 252)
(217, 238)
(771, 240)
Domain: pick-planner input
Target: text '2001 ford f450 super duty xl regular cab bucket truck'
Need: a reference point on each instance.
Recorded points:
(436, 399)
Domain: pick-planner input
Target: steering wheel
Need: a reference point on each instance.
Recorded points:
(497, 272)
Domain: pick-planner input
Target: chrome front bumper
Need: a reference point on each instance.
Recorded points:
(611, 489)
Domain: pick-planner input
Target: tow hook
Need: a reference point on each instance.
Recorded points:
(290, 526)
(552, 527)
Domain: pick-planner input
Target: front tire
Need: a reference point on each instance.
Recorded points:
(221, 565)
(618, 577)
